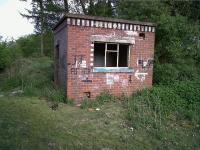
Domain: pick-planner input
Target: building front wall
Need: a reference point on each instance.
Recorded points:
(83, 80)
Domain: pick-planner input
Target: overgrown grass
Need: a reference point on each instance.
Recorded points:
(30, 123)
(164, 117)
(34, 76)
(103, 98)
(168, 115)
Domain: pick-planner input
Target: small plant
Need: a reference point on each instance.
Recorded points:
(55, 95)
(70, 102)
(103, 98)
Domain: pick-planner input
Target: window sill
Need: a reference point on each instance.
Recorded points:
(112, 69)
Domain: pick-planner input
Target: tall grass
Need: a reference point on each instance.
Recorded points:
(34, 76)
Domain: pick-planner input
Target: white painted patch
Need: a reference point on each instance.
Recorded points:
(78, 22)
(110, 79)
(92, 49)
(131, 33)
(73, 21)
(142, 28)
(116, 78)
(83, 64)
(96, 23)
(124, 83)
(110, 25)
(91, 55)
(123, 26)
(101, 24)
(134, 27)
(87, 23)
(119, 26)
(91, 64)
(145, 63)
(139, 28)
(92, 23)
(68, 21)
(83, 22)
(140, 75)
(126, 26)
(131, 27)
(146, 28)
(113, 38)
(114, 25)
(105, 24)
(83, 77)
(153, 29)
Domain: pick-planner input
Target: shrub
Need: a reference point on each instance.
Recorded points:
(154, 106)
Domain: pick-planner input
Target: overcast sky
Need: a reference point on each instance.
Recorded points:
(12, 24)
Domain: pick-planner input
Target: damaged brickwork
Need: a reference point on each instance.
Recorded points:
(124, 49)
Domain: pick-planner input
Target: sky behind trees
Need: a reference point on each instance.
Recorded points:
(12, 23)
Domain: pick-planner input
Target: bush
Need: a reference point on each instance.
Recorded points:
(161, 103)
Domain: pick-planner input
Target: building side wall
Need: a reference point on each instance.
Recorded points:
(81, 78)
(60, 40)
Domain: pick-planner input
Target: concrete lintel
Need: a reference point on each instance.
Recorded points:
(113, 39)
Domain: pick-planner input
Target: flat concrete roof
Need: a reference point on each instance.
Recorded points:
(97, 18)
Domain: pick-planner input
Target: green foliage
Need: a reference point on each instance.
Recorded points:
(55, 95)
(159, 104)
(34, 76)
(29, 45)
(177, 50)
(166, 113)
(101, 8)
(103, 98)
(8, 53)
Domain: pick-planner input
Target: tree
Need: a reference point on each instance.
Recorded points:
(45, 14)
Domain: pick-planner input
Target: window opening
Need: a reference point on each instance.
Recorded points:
(142, 36)
(111, 54)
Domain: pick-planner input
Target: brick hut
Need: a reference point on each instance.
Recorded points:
(94, 54)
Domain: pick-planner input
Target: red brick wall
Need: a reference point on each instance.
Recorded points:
(79, 43)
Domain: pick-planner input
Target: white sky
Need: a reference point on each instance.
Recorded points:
(12, 24)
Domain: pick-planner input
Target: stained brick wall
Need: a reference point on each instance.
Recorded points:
(81, 78)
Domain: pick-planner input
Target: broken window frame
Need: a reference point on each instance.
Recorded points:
(115, 51)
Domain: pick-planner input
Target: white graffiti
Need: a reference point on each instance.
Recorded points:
(110, 78)
(83, 64)
(140, 75)
(131, 33)
(124, 83)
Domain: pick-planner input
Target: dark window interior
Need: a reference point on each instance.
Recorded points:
(123, 55)
(99, 54)
(111, 55)
(142, 36)
(111, 59)
(112, 47)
